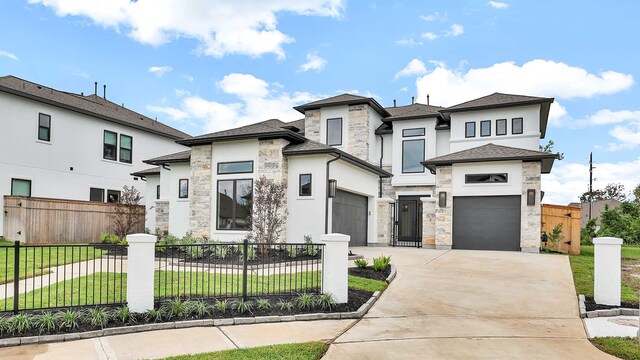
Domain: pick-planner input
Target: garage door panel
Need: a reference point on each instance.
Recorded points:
(350, 214)
(486, 223)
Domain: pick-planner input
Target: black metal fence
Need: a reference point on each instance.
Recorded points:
(36, 277)
(224, 270)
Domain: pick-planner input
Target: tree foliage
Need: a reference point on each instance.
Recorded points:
(622, 222)
(549, 149)
(636, 192)
(610, 192)
(128, 214)
(269, 213)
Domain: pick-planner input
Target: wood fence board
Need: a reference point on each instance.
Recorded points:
(569, 217)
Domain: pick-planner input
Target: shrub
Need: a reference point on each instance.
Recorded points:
(127, 212)
(177, 308)
(310, 248)
(114, 239)
(305, 301)
(292, 250)
(588, 232)
(105, 237)
(124, 241)
(221, 306)
(69, 319)
(155, 315)
(124, 315)
(19, 324)
(381, 263)
(326, 301)
(556, 237)
(46, 322)
(285, 305)
(197, 308)
(361, 263)
(99, 317)
(263, 304)
(170, 240)
(4, 325)
(268, 215)
(251, 252)
(243, 306)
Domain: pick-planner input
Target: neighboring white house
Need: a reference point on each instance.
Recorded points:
(62, 145)
(464, 177)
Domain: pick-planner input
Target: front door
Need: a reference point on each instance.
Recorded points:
(409, 227)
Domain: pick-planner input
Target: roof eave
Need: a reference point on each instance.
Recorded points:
(412, 117)
(286, 134)
(544, 117)
(344, 156)
(371, 102)
(544, 158)
(496, 106)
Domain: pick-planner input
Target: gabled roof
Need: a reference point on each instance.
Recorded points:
(296, 124)
(268, 129)
(147, 172)
(182, 156)
(413, 111)
(492, 152)
(91, 105)
(384, 128)
(344, 99)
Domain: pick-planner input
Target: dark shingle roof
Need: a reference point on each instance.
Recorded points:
(344, 99)
(299, 124)
(91, 105)
(269, 129)
(497, 100)
(413, 111)
(182, 156)
(147, 172)
(492, 152)
(384, 128)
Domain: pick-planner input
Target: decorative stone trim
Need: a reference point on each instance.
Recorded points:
(604, 312)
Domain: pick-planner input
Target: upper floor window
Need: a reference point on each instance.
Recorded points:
(305, 185)
(44, 127)
(470, 129)
(234, 204)
(113, 196)
(485, 178)
(413, 132)
(183, 188)
(96, 194)
(485, 128)
(236, 167)
(334, 132)
(501, 127)
(110, 147)
(20, 187)
(126, 148)
(412, 155)
(516, 126)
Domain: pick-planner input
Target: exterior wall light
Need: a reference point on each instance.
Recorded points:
(531, 197)
(333, 188)
(442, 199)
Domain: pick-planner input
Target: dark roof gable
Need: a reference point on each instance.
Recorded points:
(182, 156)
(496, 100)
(268, 129)
(413, 111)
(344, 99)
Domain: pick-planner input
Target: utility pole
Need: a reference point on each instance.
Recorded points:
(590, 182)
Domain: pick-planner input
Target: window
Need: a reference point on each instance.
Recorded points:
(44, 127)
(412, 155)
(126, 148)
(305, 185)
(234, 204)
(113, 196)
(20, 187)
(413, 132)
(516, 126)
(237, 167)
(485, 178)
(157, 191)
(501, 127)
(485, 128)
(96, 194)
(110, 145)
(470, 129)
(334, 132)
(183, 188)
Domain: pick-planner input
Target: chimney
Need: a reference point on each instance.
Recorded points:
(95, 88)
(394, 102)
(427, 99)
(82, 94)
(104, 92)
(413, 99)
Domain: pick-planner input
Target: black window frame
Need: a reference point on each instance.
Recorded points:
(404, 132)
(122, 148)
(104, 146)
(341, 131)
(157, 192)
(300, 193)
(424, 146)
(110, 192)
(234, 172)
(513, 120)
(48, 127)
(497, 127)
(234, 217)
(466, 133)
(494, 178)
(25, 180)
(180, 188)
(101, 194)
(484, 122)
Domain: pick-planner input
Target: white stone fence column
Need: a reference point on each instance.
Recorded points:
(607, 270)
(335, 264)
(140, 270)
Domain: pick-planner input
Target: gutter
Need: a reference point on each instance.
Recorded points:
(326, 200)
(381, 157)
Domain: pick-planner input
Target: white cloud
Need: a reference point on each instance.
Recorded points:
(414, 67)
(181, 92)
(174, 113)
(454, 30)
(189, 78)
(404, 89)
(221, 27)
(607, 116)
(429, 36)
(436, 16)
(408, 42)
(8, 55)
(244, 85)
(627, 135)
(498, 4)
(160, 71)
(314, 62)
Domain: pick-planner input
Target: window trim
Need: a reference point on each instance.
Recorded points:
(120, 150)
(180, 186)
(424, 146)
(48, 139)
(506, 177)
(157, 192)
(26, 180)
(113, 191)
(310, 185)
(521, 125)
(103, 193)
(115, 155)
(234, 172)
(341, 131)
(404, 130)
(466, 135)
(485, 122)
(233, 196)
(505, 127)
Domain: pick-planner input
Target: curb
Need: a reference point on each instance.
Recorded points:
(605, 312)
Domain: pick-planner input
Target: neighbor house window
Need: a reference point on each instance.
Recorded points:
(516, 126)
(183, 188)
(412, 155)
(44, 127)
(334, 132)
(113, 196)
(485, 178)
(413, 132)
(305, 185)
(110, 147)
(470, 129)
(501, 127)
(234, 204)
(96, 194)
(157, 191)
(236, 167)
(485, 128)
(126, 148)
(20, 187)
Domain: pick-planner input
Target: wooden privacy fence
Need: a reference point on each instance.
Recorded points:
(569, 217)
(55, 221)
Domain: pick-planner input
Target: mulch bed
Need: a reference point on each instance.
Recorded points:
(369, 273)
(591, 305)
(113, 250)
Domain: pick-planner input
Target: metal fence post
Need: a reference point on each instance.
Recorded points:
(245, 246)
(16, 276)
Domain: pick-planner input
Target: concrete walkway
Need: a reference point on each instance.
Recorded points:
(471, 305)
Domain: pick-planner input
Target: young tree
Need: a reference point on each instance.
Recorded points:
(549, 149)
(636, 193)
(610, 192)
(269, 213)
(128, 214)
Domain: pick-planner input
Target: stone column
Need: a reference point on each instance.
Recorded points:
(429, 221)
(162, 217)
(359, 131)
(312, 125)
(274, 166)
(140, 270)
(200, 191)
(384, 221)
(607, 271)
(444, 215)
(530, 222)
(335, 264)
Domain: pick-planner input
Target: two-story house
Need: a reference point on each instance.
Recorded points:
(464, 177)
(62, 145)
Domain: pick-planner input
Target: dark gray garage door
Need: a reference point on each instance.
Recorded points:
(486, 222)
(350, 217)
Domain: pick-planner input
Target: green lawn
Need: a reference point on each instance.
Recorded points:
(303, 351)
(357, 282)
(35, 261)
(622, 347)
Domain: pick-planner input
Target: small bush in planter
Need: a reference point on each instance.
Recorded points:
(197, 308)
(19, 324)
(70, 319)
(243, 306)
(305, 301)
(263, 304)
(326, 301)
(285, 305)
(361, 263)
(310, 249)
(46, 322)
(99, 317)
(221, 306)
(177, 308)
(124, 315)
(155, 315)
(381, 263)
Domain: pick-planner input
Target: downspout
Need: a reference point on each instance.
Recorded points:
(326, 200)
(381, 156)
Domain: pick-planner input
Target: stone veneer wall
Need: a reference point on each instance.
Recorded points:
(312, 125)
(200, 191)
(384, 221)
(274, 166)
(429, 221)
(162, 217)
(444, 215)
(358, 131)
(530, 222)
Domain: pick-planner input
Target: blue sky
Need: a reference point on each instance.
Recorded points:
(202, 65)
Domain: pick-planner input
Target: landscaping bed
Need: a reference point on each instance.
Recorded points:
(591, 305)
(369, 273)
(302, 351)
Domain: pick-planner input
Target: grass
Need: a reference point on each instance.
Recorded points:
(35, 261)
(622, 347)
(372, 285)
(302, 351)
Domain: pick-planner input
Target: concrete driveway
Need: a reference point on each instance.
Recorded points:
(469, 305)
